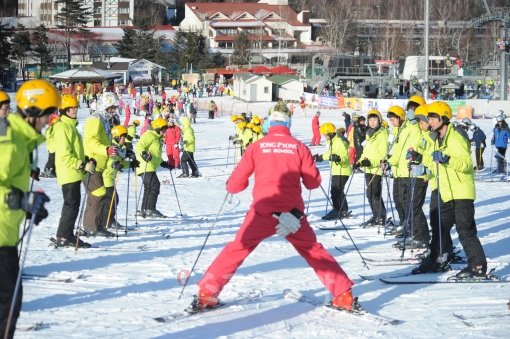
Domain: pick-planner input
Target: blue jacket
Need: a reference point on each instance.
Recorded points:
(479, 138)
(500, 138)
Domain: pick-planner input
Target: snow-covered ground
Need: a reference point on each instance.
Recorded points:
(117, 289)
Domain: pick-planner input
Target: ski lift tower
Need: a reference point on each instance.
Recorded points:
(504, 18)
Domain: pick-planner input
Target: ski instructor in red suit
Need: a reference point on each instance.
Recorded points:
(280, 163)
(316, 139)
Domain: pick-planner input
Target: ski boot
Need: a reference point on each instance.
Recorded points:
(344, 301)
(104, 233)
(369, 223)
(71, 241)
(332, 215)
(413, 244)
(154, 214)
(429, 265)
(478, 271)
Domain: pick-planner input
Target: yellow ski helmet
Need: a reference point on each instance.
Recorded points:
(158, 124)
(36, 98)
(440, 108)
(69, 101)
(118, 131)
(4, 97)
(398, 111)
(327, 128)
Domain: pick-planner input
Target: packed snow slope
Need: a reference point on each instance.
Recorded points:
(117, 289)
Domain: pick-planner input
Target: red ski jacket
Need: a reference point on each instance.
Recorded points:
(173, 136)
(280, 162)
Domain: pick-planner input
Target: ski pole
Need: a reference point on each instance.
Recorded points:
(348, 233)
(136, 196)
(81, 215)
(391, 202)
(112, 200)
(127, 200)
(329, 184)
(175, 190)
(439, 210)
(20, 240)
(140, 194)
(492, 153)
(203, 245)
(228, 153)
(309, 198)
(37, 204)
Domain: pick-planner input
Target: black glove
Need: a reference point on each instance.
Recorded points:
(440, 157)
(133, 164)
(30, 202)
(165, 164)
(34, 173)
(118, 166)
(335, 158)
(317, 158)
(230, 137)
(235, 142)
(414, 156)
(146, 156)
(355, 166)
(365, 163)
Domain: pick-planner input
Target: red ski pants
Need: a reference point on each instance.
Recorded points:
(173, 155)
(257, 227)
(316, 139)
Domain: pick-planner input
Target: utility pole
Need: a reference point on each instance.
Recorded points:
(426, 79)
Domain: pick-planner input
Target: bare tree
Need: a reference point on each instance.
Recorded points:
(340, 25)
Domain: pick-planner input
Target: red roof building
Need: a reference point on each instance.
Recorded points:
(276, 32)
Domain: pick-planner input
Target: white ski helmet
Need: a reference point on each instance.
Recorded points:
(106, 101)
(500, 118)
(473, 127)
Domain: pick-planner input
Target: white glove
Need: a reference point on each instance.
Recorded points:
(288, 223)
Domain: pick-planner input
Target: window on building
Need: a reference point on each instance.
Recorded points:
(123, 10)
(98, 10)
(266, 90)
(123, 22)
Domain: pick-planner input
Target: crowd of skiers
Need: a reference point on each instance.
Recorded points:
(93, 159)
(425, 149)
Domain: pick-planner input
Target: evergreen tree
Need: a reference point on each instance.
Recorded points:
(5, 45)
(72, 16)
(242, 52)
(21, 48)
(190, 50)
(41, 49)
(217, 60)
(126, 46)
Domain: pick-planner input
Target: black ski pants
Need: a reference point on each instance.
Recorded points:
(462, 214)
(374, 192)
(188, 159)
(110, 201)
(479, 157)
(70, 209)
(50, 164)
(501, 160)
(9, 269)
(151, 186)
(417, 222)
(337, 192)
(399, 197)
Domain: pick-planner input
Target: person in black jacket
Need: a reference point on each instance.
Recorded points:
(478, 139)
(360, 132)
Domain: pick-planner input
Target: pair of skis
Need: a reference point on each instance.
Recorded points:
(288, 294)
